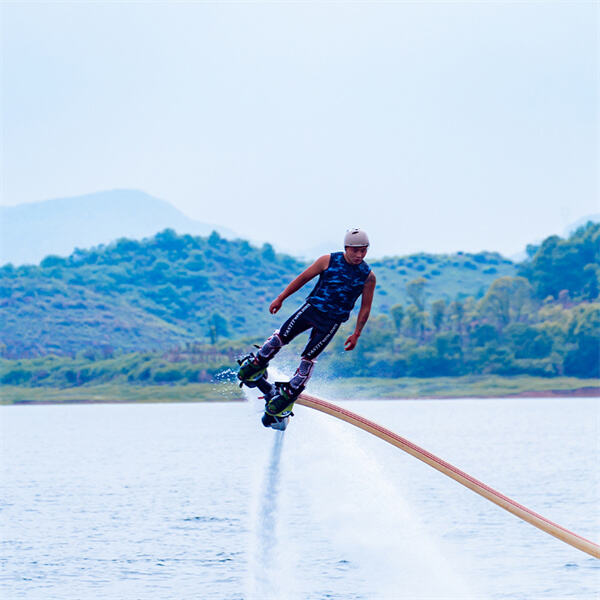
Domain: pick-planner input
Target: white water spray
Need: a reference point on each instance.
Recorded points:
(370, 526)
(268, 578)
(265, 574)
(333, 525)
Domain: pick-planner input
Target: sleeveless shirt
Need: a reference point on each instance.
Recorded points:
(338, 287)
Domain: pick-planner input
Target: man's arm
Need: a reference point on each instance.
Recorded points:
(315, 269)
(363, 313)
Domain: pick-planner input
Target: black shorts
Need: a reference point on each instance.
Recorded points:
(308, 317)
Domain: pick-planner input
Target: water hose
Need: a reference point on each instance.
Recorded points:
(451, 471)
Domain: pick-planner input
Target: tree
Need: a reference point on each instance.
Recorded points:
(584, 359)
(53, 261)
(438, 310)
(415, 322)
(569, 264)
(416, 291)
(457, 315)
(169, 240)
(506, 300)
(423, 361)
(217, 327)
(449, 351)
(398, 316)
(483, 334)
(268, 253)
(591, 286)
(527, 341)
(214, 238)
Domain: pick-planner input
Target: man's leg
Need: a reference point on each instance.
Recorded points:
(302, 375)
(319, 338)
(288, 392)
(270, 348)
(294, 326)
(254, 367)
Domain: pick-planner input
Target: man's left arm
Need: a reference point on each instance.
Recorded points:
(363, 313)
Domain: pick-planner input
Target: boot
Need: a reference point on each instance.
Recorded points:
(279, 423)
(282, 402)
(251, 370)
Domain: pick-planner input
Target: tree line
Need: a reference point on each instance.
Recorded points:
(545, 321)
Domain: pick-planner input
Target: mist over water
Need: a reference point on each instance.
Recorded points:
(372, 524)
(336, 497)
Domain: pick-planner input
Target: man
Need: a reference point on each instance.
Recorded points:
(343, 277)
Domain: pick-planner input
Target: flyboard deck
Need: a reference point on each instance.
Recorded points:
(451, 471)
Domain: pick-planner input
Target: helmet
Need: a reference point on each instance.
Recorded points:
(356, 237)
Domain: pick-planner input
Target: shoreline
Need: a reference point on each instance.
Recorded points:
(584, 392)
(166, 395)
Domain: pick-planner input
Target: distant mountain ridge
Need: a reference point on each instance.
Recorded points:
(30, 232)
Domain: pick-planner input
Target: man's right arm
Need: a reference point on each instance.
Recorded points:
(320, 265)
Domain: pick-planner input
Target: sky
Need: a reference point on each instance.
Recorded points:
(435, 126)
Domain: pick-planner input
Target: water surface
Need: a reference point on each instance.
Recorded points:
(199, 501)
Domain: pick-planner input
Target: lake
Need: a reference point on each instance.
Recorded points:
(178, 501)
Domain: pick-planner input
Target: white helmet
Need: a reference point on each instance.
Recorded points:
(356, 237)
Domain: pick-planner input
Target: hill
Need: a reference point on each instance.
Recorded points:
(191, 298)
(446, 276)
(59, 226)
(170, 289)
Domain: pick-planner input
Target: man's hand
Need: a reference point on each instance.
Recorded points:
(275, 305)
(351, 342)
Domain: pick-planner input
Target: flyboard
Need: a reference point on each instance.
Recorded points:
(451, 471)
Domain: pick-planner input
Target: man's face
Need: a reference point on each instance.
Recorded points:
(356, 254)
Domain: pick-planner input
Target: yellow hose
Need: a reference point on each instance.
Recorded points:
(451, 471)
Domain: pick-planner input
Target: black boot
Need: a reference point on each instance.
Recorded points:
(279, 423)
(282, 402)
(252, 370)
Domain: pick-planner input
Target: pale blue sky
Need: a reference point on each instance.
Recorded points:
(435, 126)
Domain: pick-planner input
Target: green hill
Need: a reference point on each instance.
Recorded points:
(169, 289)
(447, 276)
(191, 299)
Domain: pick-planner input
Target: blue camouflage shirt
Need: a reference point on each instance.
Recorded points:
(338, 287)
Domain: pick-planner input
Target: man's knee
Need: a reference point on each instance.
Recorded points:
(271, 347)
